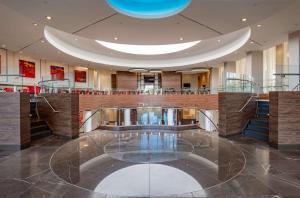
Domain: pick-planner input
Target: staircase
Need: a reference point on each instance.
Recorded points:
(39, 128)
(258, 127)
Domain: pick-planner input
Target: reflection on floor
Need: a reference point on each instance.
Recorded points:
(189, 164)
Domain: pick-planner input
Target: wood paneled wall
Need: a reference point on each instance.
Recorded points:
(284, 120)
(90, 102)
(66, 121)
(171, 80)
(14, 121)
(127, 80)
(231, 121)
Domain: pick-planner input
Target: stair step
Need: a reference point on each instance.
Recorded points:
(38, 123)
(36, 129)
(40, 134)
(256, 135)
(258, 128)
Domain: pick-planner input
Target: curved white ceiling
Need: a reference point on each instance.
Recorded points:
(88, 49)
(148, 49)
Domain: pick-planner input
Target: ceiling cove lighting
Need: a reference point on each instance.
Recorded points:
(149, 9)
(89, 50)
(148, 49)
(138, 70)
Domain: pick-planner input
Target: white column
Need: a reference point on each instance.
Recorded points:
(294, 59)
(171, 117)
(229, 67)
(88, 124)
(127, 121)
(256, 61)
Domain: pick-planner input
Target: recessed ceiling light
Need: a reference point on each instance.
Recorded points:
(35, 24)
(76, 39)
(219, 41)
(42, 41)
(251, 42)
(116, 38)
(181, 38)
(258, 25)
(244, 19)
(48, 17)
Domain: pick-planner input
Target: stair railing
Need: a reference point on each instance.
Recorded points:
(85, 121)
(47, 102)
(217, 128)
(247, 103)
(297, 88)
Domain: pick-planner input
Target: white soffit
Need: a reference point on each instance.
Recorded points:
(88, 49)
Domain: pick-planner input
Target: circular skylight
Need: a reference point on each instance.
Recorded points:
(149, 9)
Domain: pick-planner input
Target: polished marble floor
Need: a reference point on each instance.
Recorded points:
(142, 163)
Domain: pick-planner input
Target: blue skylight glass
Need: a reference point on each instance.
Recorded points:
(149, 9)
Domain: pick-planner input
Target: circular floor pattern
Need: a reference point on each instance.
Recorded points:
(145, 163)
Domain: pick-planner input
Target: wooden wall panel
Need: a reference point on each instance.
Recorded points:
(171, 80)
(126, 80)
(230, 120)
(14, 121)
(285, 119)
(90, 102)
(66, 121)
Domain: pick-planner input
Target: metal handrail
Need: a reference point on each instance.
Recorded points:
(53, 109)
(217, 128)
(247, 103)
(99, 109)
(296, 88)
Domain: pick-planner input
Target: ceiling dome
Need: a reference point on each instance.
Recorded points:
(149, 9)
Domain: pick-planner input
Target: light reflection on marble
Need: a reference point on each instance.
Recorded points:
(94, 160)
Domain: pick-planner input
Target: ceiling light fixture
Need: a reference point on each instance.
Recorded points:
(155, 71)
(35, 24)
(148, 49)
(116, 38)
(251, 42)
(138, 70)
(244, 19)
(42, 41)
(200, 70)
(181, 39)
(259, 25)
(48, 17)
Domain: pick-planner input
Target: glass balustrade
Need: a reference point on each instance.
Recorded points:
(149, 116)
